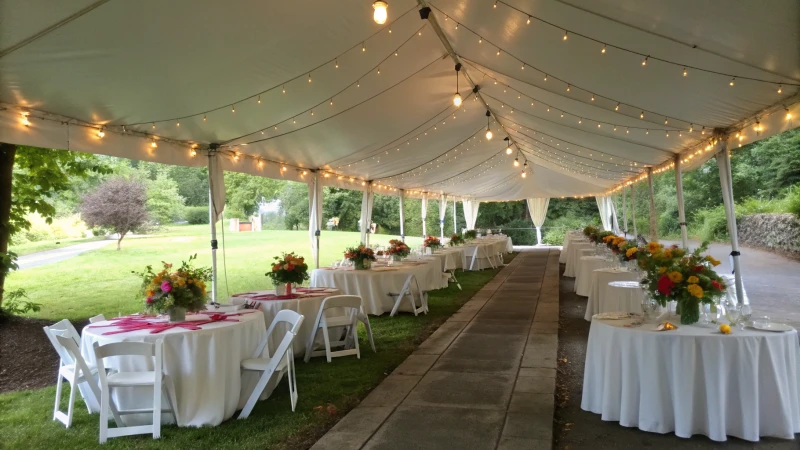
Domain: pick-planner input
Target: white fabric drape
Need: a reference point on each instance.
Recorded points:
(470, 212)
(625, 211)
(653, 218)
(633, 212)
(442, 213)
(455, 218)
(314, 214)
(216, 205)
(613, 213)
(366, 213)
(402, 194)
(605, 216)
(679, 192)
(537, 207)
(424, 214)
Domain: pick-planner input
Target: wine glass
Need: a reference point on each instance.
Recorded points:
(745, 313)
(733, 313)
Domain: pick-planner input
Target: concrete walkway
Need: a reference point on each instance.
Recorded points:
(59, 254)
(484, 380)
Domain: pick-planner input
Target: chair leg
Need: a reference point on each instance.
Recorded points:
(171, 401)
(368, 327)
(72, 388)
(355, 336)
(291, 378)
(105, 398)
(251, 402)
(310, 343)
(157, 390)
(327, 342)
(58, 396)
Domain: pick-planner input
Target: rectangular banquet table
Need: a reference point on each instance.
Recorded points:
(693, 380)
(374, 285)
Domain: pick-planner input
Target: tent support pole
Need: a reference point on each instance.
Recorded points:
(633, 211)
(724, 163)
(402, 195)
(455, 222)
(212, 221)
(653, 223)
(681, 211)
(625, 212)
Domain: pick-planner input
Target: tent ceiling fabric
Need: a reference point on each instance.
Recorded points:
(202, 72)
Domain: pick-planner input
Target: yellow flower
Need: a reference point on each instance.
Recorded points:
(675, 277)
(695, 290)
(653, 247)
(662, 269)
(725, 328)
(714, 262)
(668, 253)
(608, 238)
(693, 279)
(631, 251)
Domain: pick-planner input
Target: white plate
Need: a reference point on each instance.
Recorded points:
(777, 327)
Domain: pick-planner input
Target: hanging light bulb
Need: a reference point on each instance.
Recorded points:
(489, 134)
(233, 108)
(616, 108)
(604, 49)
(644, 61)
(565, 35)
(101, 133)
(524, 174)
(684, 71)
(516, 162)
(780, 89)
(788, 114)
(545, 77)
(153, 143)
(641, 115)
(363, 47)
(488, 129)
(529, 21)
(204, 118)
(380, 13)
(457, 97)
(732, 81)
(309, 77)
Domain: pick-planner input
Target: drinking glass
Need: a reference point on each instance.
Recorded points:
(745, 313)
(733, 313)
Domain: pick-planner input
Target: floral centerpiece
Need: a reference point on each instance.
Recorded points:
(288, 269)
(470, 235)
(175, 291)
(589, 230)
(398, 249)
(361, 256)
(627, 251)
(432, 242)
(455, 239)
(601, 237)
(672, 274)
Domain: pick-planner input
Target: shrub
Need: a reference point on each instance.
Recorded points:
(520, 237)
(711, 224)
(14, 304)
(792, 201)
(553, 231)
(196, 215)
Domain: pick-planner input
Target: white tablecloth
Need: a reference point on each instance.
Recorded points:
(583, 273)
(568, 238)
(204, 366)
(307, 306)
(374, 285)
(452, 257)
(573, 254)
(693, 380)
(603, 298)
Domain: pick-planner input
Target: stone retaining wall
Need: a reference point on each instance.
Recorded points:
(779, 233)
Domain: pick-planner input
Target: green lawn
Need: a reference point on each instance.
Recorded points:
(100, 281)
(26, 418)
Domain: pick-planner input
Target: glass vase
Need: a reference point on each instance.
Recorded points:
(177, 314)
(689, 311)
(362, 264)
(280, 289)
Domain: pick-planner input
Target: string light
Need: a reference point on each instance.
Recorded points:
(153, 143)
(193, 152)
(516, 162)
(616, 108)
(508, 146)
(568, 87)
(101, 133)
(488, 129)
(529, 21)
(684, 71)
(592, 97)
(641, 115)
(644, 61)
(177, 123)
(204, 117)
(780, 89)
(732, 81)
(309, 77)
(524, 174)
(565, 35)
(154, 125)
(233, 109)
(788, 114)
(380, 13)
(604, 49)
(259, 99)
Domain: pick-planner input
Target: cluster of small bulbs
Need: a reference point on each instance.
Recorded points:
(604, 50)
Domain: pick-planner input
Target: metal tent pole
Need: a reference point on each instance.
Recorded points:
(725, 178)
(455, 219)
(625, 212)
(681, 212)
(402, 195)
(212, 220)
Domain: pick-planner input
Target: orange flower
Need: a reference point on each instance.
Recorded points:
(675, 277)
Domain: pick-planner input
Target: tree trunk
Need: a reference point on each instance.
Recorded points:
(119, 241)
(7, 154)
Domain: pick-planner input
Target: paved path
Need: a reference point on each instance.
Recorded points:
(484, 380)
(59, 254)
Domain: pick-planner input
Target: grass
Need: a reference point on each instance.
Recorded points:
(100, 281)
(41, 246)
(26, 418)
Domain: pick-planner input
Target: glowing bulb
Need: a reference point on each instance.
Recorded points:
(592, 97)
(233, 109)
(565, 35)
(641, 115)
(616, 108)
(788, 115)
(498, 52)
(192, 153)
(101, 133)
(204, 118)
(568, 87)
(545, 77)
(684, 71)
(516, 162)
(457, 100)
(178, 123)
(604, 49)
(283, 89)
(363, 47)
(380, 13)
(524, 174)
(529, 21)
(508, 150)
(259, 99)
(780, 89)
(644, 61)
(153, 143)
(732, 81)
(309, 78)
(480, 40)
(337, 63)
(489, 134)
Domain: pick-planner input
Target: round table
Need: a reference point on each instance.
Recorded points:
(374, 285)
(602, 298)
(568, 238)
(573, 255)
(204, 366)
(583, 273)
(693, 380)
(306, 303)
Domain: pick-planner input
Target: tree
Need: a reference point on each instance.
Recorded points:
(294, 205)
(164, 203)
(243, 193)
(34, 176)
(192, 184)
(118, 204)
(344, 204)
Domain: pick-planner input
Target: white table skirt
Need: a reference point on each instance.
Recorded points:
(693, 380)
(573, 255)
(307, 306)
(587, 252)
(603, 298)
(480, 255)
(204, 366)
(374, 285)
(583, 276)
(568, 238)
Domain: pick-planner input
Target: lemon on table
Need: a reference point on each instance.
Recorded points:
(725, 328)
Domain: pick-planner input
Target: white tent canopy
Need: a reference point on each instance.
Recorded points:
(290, 87)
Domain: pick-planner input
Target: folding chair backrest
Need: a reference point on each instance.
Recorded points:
(341, 301)
(81, 368)
(97, 318)
(66, 329)
(146, 349)
(730, 285)
(286, 316)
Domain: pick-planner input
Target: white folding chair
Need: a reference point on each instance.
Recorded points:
(730, 289)
(363, 318)
(280, 363)
(350, 319)
(75, 373)
(97, 318)
(67, 368)
(452, 277)
(408, 292)
(155, 378)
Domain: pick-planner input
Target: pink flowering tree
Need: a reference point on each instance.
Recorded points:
(117, 204)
